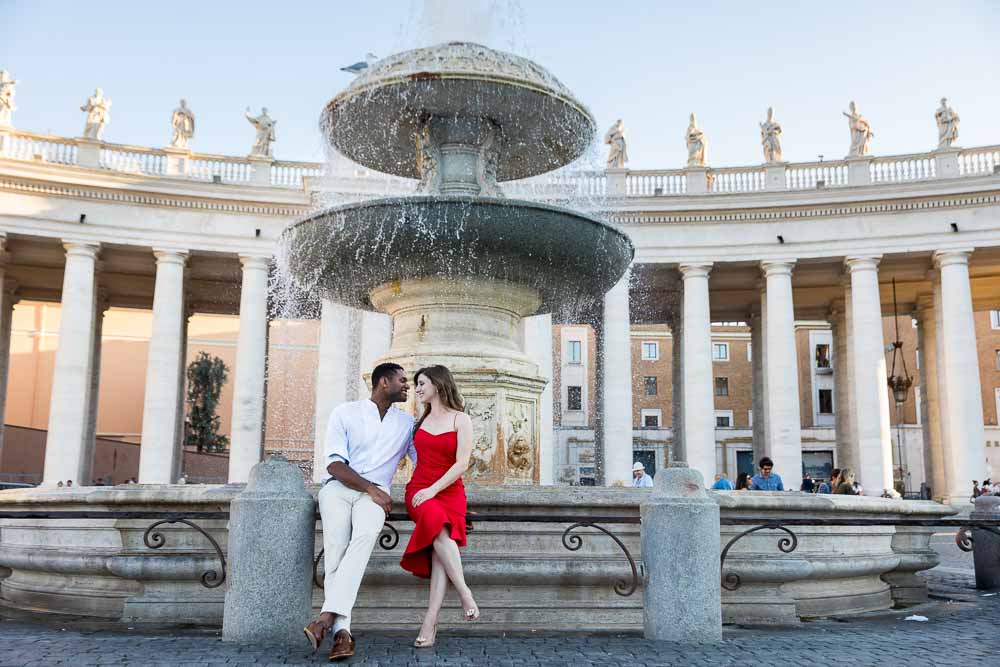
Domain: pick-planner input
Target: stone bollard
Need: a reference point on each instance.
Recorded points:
(272, 529)
(682, 598)
(986, 545)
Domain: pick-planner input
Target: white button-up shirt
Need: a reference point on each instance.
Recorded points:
(373, 447)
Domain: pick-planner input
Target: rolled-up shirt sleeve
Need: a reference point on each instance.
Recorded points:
(411, 451)
(336, 440)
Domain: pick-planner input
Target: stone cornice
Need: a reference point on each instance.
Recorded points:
(773, 211)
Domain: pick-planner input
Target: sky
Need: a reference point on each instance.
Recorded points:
(649, 63)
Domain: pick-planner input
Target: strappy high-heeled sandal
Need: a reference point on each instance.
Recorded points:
(426, 642)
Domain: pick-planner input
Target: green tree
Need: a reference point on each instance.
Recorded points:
(206, 376)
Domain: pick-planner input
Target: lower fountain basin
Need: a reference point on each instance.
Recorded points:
(521, 573)
(347, 251)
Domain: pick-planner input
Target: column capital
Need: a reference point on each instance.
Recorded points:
(695, 270)
(10, 294)
(102, 299)
(777, 267)
(838, 308)
(259, 262)
(925, 304)
(170, 256)
(951, 257)
(82, 248)
(862, 262)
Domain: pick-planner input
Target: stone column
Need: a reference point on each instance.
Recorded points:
(679, 452)
(680, 551)
(784, 421)
(180, 434)
(873, 459)
(271, 545)
(757, 391)
(965, 439)
(699, 397)
(930, 408)
(616, 402)
(8, 297)
(942, 390)
(248, 379)
(841, 385)
(337, 371)
(160, 449)
(69, 407)
(537, 334)
(101, 305)
(376, 341)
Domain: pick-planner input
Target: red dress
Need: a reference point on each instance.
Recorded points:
(435, 454)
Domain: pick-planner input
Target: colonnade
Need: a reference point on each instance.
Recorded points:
(951, 401)
(71, 435)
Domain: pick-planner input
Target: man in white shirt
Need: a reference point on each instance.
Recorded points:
(365, 440)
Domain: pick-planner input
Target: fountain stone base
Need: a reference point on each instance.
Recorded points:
(474, 328)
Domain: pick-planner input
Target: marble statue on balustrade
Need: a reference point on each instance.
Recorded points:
(696, 144)
(97, 115)
(264, 125)
(947, 122)
(182, 122)
(861, 132)
(618, 153)
(7, 107)
(770, 137)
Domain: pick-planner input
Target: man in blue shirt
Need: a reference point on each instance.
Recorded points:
(766, 480)
(721, 483)
(828, 487)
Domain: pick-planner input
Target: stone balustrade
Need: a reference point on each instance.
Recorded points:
(567, 183)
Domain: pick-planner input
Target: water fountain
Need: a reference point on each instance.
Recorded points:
(458, 265)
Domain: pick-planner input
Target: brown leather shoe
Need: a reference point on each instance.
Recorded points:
(343, 646)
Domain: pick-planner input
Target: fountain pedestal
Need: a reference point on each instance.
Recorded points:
(473, 328)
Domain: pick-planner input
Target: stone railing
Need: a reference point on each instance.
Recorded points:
(614, 183)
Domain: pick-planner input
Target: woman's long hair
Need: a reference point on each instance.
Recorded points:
(742, 481)
(447, 390)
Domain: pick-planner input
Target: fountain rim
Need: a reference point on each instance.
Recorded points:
(479, 200)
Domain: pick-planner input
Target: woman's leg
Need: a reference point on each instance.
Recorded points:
(439, 586)
(447, 552)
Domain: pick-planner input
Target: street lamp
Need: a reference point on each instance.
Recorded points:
(900, 387)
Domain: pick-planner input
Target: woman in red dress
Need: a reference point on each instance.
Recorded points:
(435, 496)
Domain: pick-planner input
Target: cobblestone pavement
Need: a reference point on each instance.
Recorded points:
(961, 630)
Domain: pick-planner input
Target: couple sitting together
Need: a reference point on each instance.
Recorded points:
(365, 441)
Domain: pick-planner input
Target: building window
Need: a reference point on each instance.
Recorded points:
(650, 383)
(574, 398)
(723, 419)
(720, 351)
(749, 351)
(722, 386)
(995, 319)
(997, 352)
(651, 417)
(750, 418)
(574, 352)
(650, 351)
(822, 356)
(917, 355)
(826, 401)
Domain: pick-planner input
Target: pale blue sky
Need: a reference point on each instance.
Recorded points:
(650, 63)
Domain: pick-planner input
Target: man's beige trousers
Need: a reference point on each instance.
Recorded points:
(351, 524)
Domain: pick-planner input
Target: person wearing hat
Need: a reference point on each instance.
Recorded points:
(639, 477)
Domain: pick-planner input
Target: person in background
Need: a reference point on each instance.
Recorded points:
(639, 477)
(767, 480)
(828, 487)
(721, 483)
(846, 485)
(60, 484)
(743, 481)
(69, 483)
(808, 485)
(976, 491)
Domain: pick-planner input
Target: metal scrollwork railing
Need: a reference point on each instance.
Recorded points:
(732, 581)
(154, 539)
(574, 542)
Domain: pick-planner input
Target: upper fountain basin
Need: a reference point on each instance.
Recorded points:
(345, 252)
(376, 120)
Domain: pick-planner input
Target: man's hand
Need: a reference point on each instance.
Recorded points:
(381, 498)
